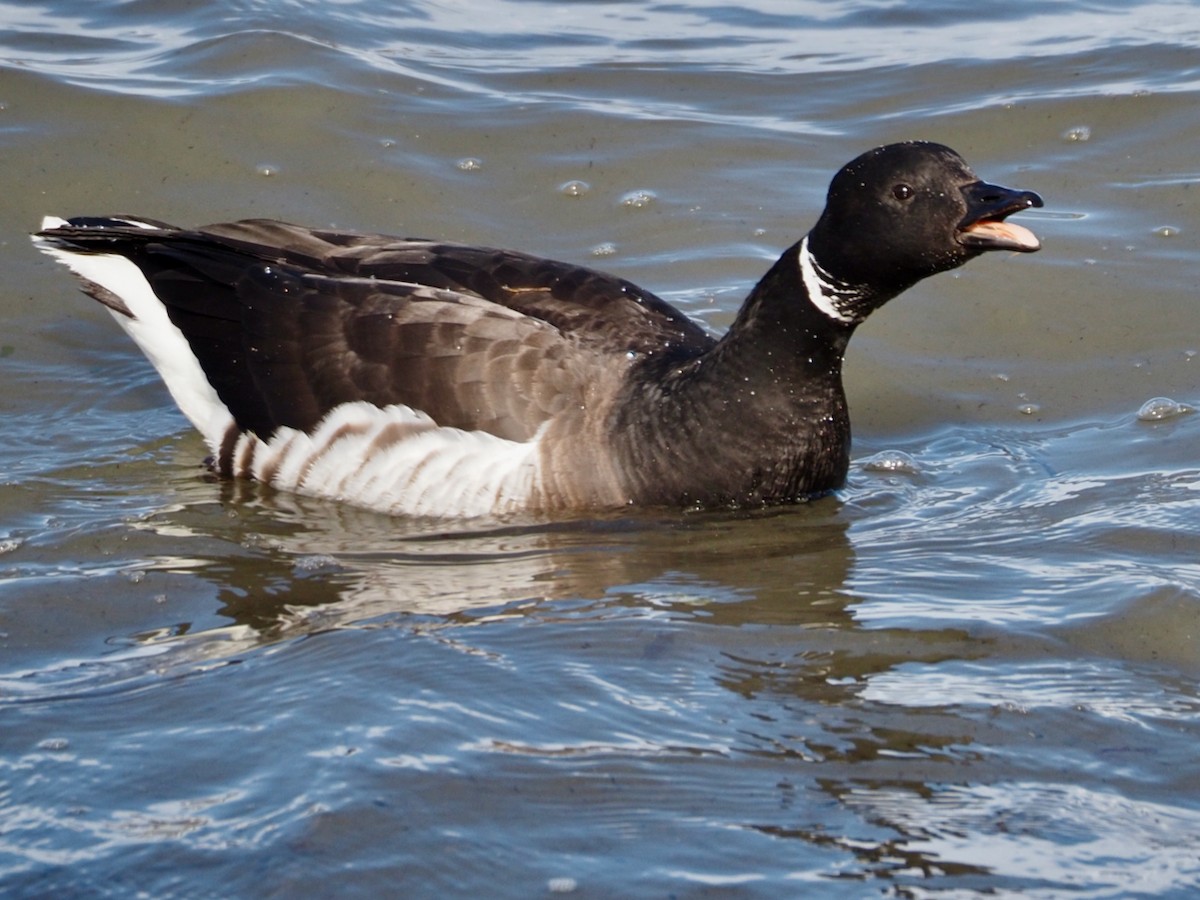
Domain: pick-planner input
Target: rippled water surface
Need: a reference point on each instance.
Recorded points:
(974, 671)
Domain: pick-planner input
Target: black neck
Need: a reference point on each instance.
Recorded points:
(779, 324)
(768, 394)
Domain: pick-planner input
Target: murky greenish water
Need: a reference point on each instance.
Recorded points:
(974, 671)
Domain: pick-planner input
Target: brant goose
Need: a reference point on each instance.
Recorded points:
(427, 378)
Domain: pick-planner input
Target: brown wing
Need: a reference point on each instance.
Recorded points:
(313, 342)
(599, 310)
(288, 323)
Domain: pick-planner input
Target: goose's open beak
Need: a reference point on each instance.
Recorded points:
(984, 228)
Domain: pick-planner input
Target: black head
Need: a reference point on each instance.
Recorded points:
(903, 212)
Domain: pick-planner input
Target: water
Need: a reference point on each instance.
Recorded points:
(974, 671)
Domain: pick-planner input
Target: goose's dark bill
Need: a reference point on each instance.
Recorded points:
(988, 205)
(420, 377)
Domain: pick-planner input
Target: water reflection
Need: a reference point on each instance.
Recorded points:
(347, 565)
(634, 660)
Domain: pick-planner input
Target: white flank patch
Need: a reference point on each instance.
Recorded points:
(152, 330)
(820, 293)
(399, 461)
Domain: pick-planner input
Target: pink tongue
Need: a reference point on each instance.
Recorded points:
(1013, 235)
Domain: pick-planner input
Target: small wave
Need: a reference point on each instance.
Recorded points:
(203, 48)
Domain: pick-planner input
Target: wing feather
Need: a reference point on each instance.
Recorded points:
(601, 310)
(288, 323)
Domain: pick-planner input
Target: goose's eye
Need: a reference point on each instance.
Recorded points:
(902, 192)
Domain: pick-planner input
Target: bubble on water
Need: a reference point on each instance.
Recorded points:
(562, 885)
(55, 744)
(891, 462)
(1160, 408)
(608, 248)
(1028, 409)
(316, 562)
(639, 199)
(574, 188)
(387, 143)
(1077, 133)
(1166, 231)
(267, 170)
(470, 164)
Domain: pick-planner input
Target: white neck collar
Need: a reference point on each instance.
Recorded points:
(822, 291)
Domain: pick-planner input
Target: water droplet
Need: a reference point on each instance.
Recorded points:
(639, 199)
(1161, 408)
(267, 170)
(470, 164)
(891, 462)
(387, 143)
(1166, 231)
(574, 188)
(608, 248)
(1078, 133)
(1028, 409)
